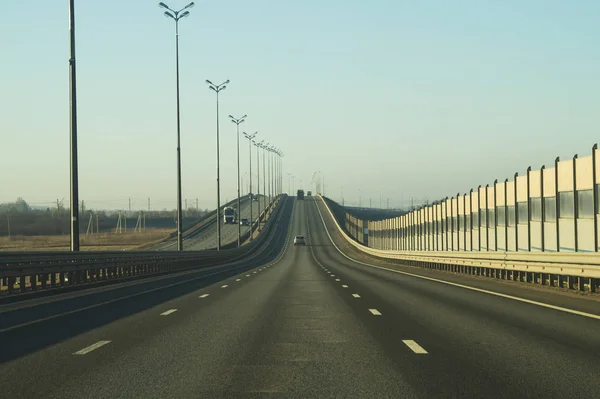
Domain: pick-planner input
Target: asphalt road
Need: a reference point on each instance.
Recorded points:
(207, 238)
(308, 322)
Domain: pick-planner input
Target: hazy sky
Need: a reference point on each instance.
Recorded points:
(421, 98)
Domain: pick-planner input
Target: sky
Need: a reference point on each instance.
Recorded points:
(388, 99)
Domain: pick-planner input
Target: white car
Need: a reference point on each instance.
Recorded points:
(299, 240)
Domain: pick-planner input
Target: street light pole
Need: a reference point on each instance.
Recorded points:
(290, 183)
(217, 89)
(264, 146)
(250, 137)
(258, 177)
(73, 133)
(176, 16)
(239, 209)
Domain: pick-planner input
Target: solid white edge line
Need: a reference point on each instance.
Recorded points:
(356, 295)
(91, 347)
(514, 298)
(203, 295)
(168, 312)
(418, 349)
(375, 312)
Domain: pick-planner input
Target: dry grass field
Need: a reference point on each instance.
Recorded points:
(95, 242)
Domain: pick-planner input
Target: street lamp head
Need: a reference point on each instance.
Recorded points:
(163, 5)
(226, 82)
(189, 6)
(209, 82)
(185, 14)
(168, 14)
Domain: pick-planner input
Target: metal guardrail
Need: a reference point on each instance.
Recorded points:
(566, 270)
(22, 272)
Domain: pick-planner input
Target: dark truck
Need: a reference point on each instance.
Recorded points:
(300, 194)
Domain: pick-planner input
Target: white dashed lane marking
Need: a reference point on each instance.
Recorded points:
(375, 312)
(224, 286)
(337, 279)
(239, 279)
(414, 347)
(356, 295)
(344, 286)
(91, 348)
(203, 295)
(168, 312)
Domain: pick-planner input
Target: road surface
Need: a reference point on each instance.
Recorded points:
(309, 322)
(207, 238)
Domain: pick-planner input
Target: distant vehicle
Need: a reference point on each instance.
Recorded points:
(299, 240)
(245, 222)
(309, 193)
(300, 194)
(229, 215)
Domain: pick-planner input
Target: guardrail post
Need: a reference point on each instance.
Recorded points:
(487, 218)
(506, 214)
(543, 207)
(479, 217)
(595, 196)
(516, 214)
(593, 285)
(556, 203)
(452, 222)
(575, 207)
(495, 215)
(471, 219)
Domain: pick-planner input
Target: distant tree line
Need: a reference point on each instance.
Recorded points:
(19, 218)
